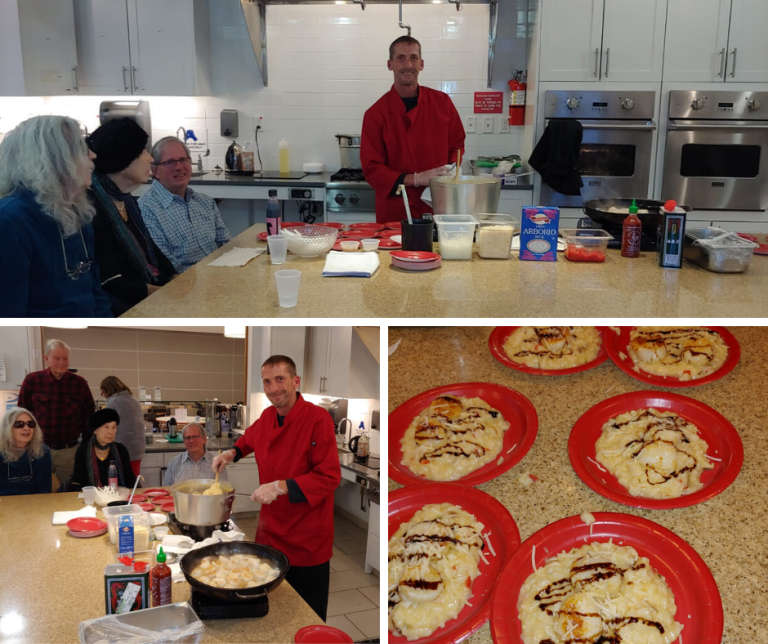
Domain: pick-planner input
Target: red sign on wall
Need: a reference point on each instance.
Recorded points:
(489, 102)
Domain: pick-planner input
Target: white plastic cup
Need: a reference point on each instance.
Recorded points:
(161, 532)
(278, 248)
(89, 494)
(370, 244)
(288, 287)
(348, 245)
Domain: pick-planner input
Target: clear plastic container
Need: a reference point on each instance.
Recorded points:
(494, 235)
(585, 244)
(172, 624)
(113, 514)
(455, 234)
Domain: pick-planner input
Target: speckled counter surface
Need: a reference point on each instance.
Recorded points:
(50, 581)
(730, 532)
(480, 288)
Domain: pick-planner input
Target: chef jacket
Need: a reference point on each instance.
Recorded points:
(303, 449)
(396, 142)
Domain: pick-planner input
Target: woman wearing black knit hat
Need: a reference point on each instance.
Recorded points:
(94, 456)
(130, 263)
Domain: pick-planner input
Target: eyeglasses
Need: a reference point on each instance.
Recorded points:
(18, 424)
(17, 479)
(172, 162)
(189, 438)
(81, 267)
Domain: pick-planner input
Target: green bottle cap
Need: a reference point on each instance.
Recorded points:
(633, 208)
(161, 556)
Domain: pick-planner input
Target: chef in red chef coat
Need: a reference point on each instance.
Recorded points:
(410, 135)
(295, 448)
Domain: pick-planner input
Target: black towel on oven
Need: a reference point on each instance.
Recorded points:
(556, 156)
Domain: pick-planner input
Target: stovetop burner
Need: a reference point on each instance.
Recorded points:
(196, 532)
(349, 174)
(208, 607)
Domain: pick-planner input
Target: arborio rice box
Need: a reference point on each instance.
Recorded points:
(538, 233)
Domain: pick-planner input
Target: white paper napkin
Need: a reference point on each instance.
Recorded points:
(237, 257)
(61, 518)
(341, 264)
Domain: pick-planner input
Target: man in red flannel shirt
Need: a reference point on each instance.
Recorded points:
(62, 403)
(295, 448)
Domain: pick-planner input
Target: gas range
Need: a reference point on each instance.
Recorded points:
(349, 193)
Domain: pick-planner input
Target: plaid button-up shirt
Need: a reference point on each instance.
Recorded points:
(186, 230)
(62, 407)
(182, 468)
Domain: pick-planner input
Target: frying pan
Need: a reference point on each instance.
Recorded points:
(597, 211)
(192, 560)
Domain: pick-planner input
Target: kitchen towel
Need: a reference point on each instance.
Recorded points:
(556, 156)
(61, 518)
(341, 264)
(237, 257)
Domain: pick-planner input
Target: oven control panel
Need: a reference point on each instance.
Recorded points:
(737, 106)
(572, 104)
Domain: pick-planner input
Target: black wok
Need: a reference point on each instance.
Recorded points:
(597, 211)
(192, 560)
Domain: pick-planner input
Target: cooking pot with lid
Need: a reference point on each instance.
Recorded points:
(469, 195)
(349, 150)
(196, 509)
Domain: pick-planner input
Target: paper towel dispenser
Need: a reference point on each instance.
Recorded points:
(136, 110)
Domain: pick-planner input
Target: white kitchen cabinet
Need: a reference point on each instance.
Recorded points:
(17, 356)
(153, 469)
(602, 40)
(142, 47)
(372, 556)
(38, 55)
(716, 41)
(244, 475)
(337, 363)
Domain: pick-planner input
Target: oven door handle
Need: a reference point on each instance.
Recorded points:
(728, 125)
(629, 126)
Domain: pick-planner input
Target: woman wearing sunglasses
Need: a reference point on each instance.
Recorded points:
(25, 461)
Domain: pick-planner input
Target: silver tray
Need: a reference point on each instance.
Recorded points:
(171, 624)
(732, 257)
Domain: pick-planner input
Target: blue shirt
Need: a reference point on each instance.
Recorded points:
(183, 468)
(186, 230)
(27, 475)
(33, 273)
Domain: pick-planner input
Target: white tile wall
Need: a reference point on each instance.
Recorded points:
(327, 66)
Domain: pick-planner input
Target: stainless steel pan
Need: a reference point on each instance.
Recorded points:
(196, 509)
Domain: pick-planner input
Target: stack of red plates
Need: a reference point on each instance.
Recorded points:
(363, 233)
(367, 225)
(86, 527)
(159, 500)
(416, 260)
(394, 225)
(390, 244)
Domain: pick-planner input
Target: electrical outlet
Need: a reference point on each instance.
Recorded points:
(487, 125)
(258, 122)
(470, 124)
(504, 125)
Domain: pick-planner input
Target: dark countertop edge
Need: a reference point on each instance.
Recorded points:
(525, 186)
(212, 179)
(179, 447)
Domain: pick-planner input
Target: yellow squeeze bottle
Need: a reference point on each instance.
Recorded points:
(285, 159)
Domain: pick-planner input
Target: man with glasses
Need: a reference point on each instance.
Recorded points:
(196, 462)
(186, 225)
(62, 402)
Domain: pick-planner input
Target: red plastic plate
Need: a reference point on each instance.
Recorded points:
(88, 535)
(504, 537)
(329, 224)
(516, 409)
(394, 225)
(262, 236)
(85, 524)
(721, 437)
(321, 635)
(615, 344)
(167, 507)
(367, 226)
(415, 255)
(699, 607)
(390, 243)
(139, 498)
(359, 234)
(417, 266)
(762, 249)
(159, 500)
(389, 232)
(155, 491)
(291, 224)
(500, 334)
(147, 507)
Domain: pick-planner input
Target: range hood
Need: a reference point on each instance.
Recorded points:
(255, 13)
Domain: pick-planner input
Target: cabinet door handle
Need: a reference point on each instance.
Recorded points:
(321, 384)
(125, 81)
(74, 75)
(135, 74)
(733, 68)
(722, 63)
(607, 54)
(597, 60)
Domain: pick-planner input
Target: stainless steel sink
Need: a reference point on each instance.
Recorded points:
(198, 174)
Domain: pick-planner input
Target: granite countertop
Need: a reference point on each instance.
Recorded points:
(619, 287)
(59, 581)
(729, 531)
(224, 443)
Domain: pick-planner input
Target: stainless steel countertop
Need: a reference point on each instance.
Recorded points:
(224, 442)
(346, 459)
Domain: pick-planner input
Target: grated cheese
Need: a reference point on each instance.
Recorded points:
(622, 355)
(488, 541)
(533, 557)
(500, 461)
(599, 467)
(712, 458)
(511, 448)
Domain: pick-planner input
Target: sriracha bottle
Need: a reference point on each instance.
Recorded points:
(631, 233)
(161, 581)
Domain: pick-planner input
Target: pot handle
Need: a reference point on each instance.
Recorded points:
(250, 596)
(229, 500)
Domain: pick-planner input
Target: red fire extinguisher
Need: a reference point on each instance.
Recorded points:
(517, 88)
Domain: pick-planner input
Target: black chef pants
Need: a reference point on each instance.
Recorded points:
(312, 583)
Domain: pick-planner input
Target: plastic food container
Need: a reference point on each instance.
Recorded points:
(350, 244)
(717, 250)
(494, 235)
(112, 515)
(455, 234)
(174, 623)
(585, 244)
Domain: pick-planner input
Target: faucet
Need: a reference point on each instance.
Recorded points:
(457, 3)
(183, 136)
(360, 2)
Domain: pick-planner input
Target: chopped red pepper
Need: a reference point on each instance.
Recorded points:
(582, 254)
(469, 582)
(533, 478)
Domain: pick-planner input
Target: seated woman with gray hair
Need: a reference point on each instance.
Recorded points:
(131, 264)
(47, 256)
(25, 461)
